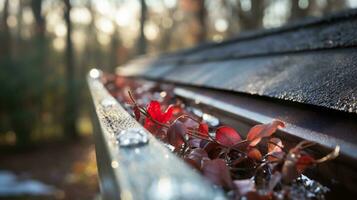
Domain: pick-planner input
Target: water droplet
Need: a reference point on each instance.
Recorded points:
(107, 102)
(163, 94)
(132, 137)
(94, 73)
(114, 164)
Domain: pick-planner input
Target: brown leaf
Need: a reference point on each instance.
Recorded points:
(254, 154)
(275, 145)
(275, 155)
(263, 130)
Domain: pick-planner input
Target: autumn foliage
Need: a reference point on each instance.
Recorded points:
(255, 164)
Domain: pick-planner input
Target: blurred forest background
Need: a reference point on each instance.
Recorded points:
(48, 46)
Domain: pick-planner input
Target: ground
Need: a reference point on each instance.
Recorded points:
(68, 166)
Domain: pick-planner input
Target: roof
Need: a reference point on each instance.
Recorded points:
(312, 62)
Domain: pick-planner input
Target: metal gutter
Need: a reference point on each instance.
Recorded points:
(132, 164)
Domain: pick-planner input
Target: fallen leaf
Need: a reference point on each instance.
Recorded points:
(203, 128)
(227, 136)
(176, 134)
(263, 130)
(196, 156)
(254, 154)
(217, 172)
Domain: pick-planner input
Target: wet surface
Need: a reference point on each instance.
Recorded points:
(324, 78)
(133, 164)
(310, 63)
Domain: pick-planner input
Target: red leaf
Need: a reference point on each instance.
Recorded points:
(166, 116)
(263, 130)
(303, 162)
(154, 110)
(203, 128)
(254, 154)
(177, 110)
(148, 124)
(217, 172)
(227, 136)
(137, 113)
(176, 133)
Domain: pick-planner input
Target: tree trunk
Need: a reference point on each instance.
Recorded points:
(5, 51)
(251, 19)
(114, 48)
(201, 17)
(333, 5)
(299, 13)
(142, 43)
(41, 55)
(71, 102)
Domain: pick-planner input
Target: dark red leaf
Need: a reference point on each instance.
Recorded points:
(213, 149)
(196, 156)
(217, 172)
(137, 113)
(227, 136)
(193, 163)
(256, 196)
(176, 134)
(263, 130)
